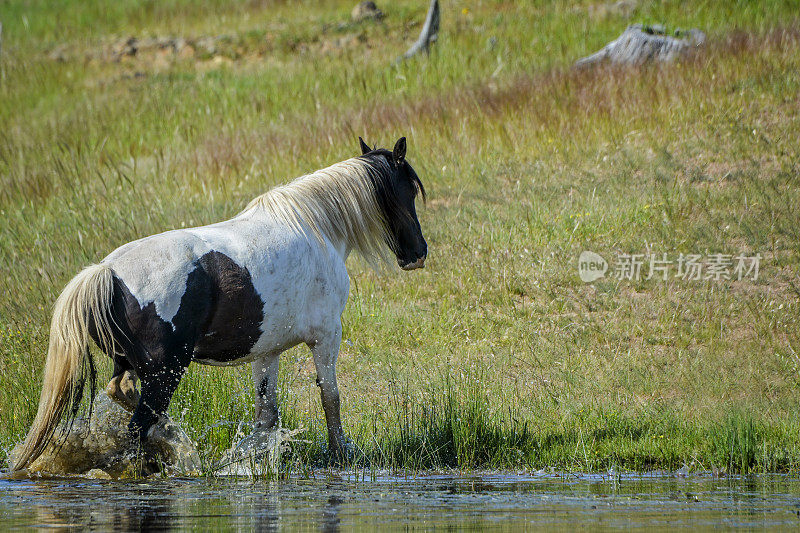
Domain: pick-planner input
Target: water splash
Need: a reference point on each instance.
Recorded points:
(101, 447)
(258, 453)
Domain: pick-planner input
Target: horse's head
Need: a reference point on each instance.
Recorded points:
(396, 192)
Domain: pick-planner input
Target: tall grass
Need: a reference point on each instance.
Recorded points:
(497, 355)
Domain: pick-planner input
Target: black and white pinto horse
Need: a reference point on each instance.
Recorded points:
(243, 290)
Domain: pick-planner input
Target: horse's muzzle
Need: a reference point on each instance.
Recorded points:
(419, 263)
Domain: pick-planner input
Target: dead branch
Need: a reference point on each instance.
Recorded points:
(429, 33)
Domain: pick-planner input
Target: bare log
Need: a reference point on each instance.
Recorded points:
(640, 44)
(429, 33)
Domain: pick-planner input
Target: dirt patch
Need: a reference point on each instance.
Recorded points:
(161, 52)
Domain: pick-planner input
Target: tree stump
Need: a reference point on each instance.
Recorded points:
(641, 44)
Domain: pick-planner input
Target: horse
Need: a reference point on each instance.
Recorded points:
(243, 290)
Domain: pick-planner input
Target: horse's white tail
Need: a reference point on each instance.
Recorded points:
(85, 302)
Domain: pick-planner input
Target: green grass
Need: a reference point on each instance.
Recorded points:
(496, 355)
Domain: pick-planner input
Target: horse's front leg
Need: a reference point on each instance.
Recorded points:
(326, 351)
(265, 380)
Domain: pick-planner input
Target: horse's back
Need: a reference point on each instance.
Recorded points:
(155, 269)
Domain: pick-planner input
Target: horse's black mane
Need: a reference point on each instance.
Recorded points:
(385, 178)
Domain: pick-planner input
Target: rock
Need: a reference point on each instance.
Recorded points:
(641, 44)
(96, 473)
(206, 45)
(128, 47)
(366, 10)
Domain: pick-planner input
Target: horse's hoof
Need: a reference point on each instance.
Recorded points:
(122, 390)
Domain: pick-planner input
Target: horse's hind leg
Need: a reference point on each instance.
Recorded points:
(122, 387)
(157, 390)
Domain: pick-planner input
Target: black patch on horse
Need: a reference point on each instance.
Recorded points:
(219, 319)
(237, 311)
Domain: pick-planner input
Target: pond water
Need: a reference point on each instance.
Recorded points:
(329, 501)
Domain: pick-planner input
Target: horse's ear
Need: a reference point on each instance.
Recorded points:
(399, 152)
(364, 148)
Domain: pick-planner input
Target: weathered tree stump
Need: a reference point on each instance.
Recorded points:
(641, 44)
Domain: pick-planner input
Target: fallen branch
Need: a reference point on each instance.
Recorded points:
(429, 33)
(640, 44)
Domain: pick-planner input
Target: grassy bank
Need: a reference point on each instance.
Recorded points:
(497, 354)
